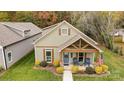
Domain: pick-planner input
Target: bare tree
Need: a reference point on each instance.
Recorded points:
(97, 25)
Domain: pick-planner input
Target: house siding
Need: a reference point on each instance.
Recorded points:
(20, 49)
(54, 39)
(40, 56)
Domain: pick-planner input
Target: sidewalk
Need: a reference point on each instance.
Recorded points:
(67, 76)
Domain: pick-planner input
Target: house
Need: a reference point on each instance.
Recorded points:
(16, 40)
(65, 43)
(117, 33)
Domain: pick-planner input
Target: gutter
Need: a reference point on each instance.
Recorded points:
(4, 57)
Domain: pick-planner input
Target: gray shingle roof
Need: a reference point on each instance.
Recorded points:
(9, 31)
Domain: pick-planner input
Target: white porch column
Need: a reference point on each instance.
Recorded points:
(123, 38)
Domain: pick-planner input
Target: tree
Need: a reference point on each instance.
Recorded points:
(4, 16)
(24, 16)
(97, 25)
(45, 18)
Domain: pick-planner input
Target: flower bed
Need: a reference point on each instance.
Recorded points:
(93, 70)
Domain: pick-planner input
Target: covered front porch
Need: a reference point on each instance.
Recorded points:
(80, 53)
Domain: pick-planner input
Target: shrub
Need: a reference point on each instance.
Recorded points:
(74, 69)
(56, 63)
(98, 69)
(104, 68)
(121, 51)
(59, 70)
(116, 49)
(81, 69)
(43, 64)
(37, 63)
(90, 70)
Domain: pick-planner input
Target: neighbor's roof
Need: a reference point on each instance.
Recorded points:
(116, 30)
(9, 36)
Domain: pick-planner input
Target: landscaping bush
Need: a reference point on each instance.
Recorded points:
(56, 63)
(81, 69)
(104, 68)
(37, 63)
(43, 64)
(121, 51)
(59, 70)
(98, 69)
(90, 70)
(74, 69)
(116, 49)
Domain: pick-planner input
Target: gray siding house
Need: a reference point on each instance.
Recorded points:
(16, 40)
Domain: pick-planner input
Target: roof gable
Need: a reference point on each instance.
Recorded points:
(9, 36)
(74, 39)
(48, 39)
(48, 31)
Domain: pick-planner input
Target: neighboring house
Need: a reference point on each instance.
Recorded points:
(117, 33)
(67, 44)
(16, 40)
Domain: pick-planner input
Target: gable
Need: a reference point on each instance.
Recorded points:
(55, 38)
(52, 37)
(78, 42)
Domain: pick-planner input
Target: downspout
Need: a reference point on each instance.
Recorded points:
(5, 59)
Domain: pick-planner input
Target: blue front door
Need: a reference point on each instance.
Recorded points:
(66, 58)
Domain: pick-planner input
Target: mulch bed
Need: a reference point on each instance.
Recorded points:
(53, 70)
(48, 68)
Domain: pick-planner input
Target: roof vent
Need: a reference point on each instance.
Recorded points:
(26, 33)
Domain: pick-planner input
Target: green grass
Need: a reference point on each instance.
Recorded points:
(23, 70)
(116, 68)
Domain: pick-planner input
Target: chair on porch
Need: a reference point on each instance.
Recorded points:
(75, 61)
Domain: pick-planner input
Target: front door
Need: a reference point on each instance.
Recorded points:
(66, 58)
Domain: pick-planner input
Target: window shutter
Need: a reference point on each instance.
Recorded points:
(69, 31)
(44, 54)
(52, 55)
(59, 31)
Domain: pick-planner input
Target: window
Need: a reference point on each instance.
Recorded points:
(64, 31)
(48, 53)
(9, 55)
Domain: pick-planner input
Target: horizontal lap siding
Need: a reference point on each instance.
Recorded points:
(20, 49)
(39, 54)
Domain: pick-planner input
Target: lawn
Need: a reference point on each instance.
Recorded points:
(116, 68)
(22, 70)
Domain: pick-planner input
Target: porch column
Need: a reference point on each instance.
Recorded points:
(60, 57)
(100, 59)
(93, 58)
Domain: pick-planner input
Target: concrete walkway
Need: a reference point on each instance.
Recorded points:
(67, 76)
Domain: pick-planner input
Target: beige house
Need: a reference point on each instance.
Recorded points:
(67, 44)
(16, 40)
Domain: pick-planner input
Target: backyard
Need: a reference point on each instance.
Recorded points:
(23, 70)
